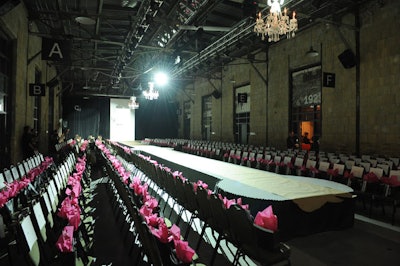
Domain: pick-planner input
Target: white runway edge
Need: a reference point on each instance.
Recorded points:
(377, 223)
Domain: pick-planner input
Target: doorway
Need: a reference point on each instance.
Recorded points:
(307, 126)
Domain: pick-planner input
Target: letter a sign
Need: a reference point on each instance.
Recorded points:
(54, 50)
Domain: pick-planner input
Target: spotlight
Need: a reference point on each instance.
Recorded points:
(161, 78)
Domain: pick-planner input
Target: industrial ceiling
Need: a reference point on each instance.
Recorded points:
(114, 45)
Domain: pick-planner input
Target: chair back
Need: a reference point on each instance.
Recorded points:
(241, 225)
(219, 214)
(40, 219)
(287, 159)
(21, 169)
(365, 157)
(277, 159)
(349, 163)
(377, 171)
(204, 210)
(29, 237)
(323, 166)
(373, 162)
(190, 197)
(395, 173)
(2, 181)
(149, 243)
(385, 167)
(311, 163)
(8, 176)
(366, 166)
(340, 168)
(298, 162)
(14, 172)
(395, 160)
(357, 171)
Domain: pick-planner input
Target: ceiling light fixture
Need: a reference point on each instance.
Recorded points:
(85, 20)
(276, 23)
(133, 104)
(312, 53)
(151, 94)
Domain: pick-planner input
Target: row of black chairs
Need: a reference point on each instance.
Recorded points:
(21, 169)
(346, 169)
(250, 155)
(342, 168)
(142, 245)
(32, 229)
(181, 198)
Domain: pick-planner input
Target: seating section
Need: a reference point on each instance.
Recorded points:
(194, 208)
(46, 219)
(348, 169)
(32, 223)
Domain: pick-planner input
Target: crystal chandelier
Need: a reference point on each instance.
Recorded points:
(276, 23)
(151, 94)
(133, 104)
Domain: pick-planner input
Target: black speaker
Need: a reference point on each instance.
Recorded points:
(316, 3)
(6, 6)
(347, 58)
(52, 83)
(216, 94)
(250, 8)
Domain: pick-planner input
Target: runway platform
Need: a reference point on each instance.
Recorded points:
(303, 205)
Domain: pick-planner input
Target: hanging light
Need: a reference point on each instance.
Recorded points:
(85, 19)
(133, 104)
(151, 94)
(276, 23)
(312, 52)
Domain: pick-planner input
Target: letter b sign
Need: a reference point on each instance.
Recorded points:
(37, 90)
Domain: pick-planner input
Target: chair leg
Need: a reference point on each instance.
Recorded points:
(237, 257)
(215, 249)
(201, 237)
(188, 227)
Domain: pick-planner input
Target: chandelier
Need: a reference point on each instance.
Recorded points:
(133, 104)
(151, 94)
(276, 23)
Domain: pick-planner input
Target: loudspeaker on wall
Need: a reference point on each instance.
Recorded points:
(347, 58)
(216, 94)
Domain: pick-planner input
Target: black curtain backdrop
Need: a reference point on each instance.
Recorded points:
(87, 117)
(156, 118)
(153, 119)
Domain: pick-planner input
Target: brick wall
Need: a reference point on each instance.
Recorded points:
(378, 87)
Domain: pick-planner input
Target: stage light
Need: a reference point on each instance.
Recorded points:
(161, 78)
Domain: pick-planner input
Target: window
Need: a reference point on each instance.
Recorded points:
(187, 113)
(305, 107)
(242, 114)
(37, 103)
(206, 117)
